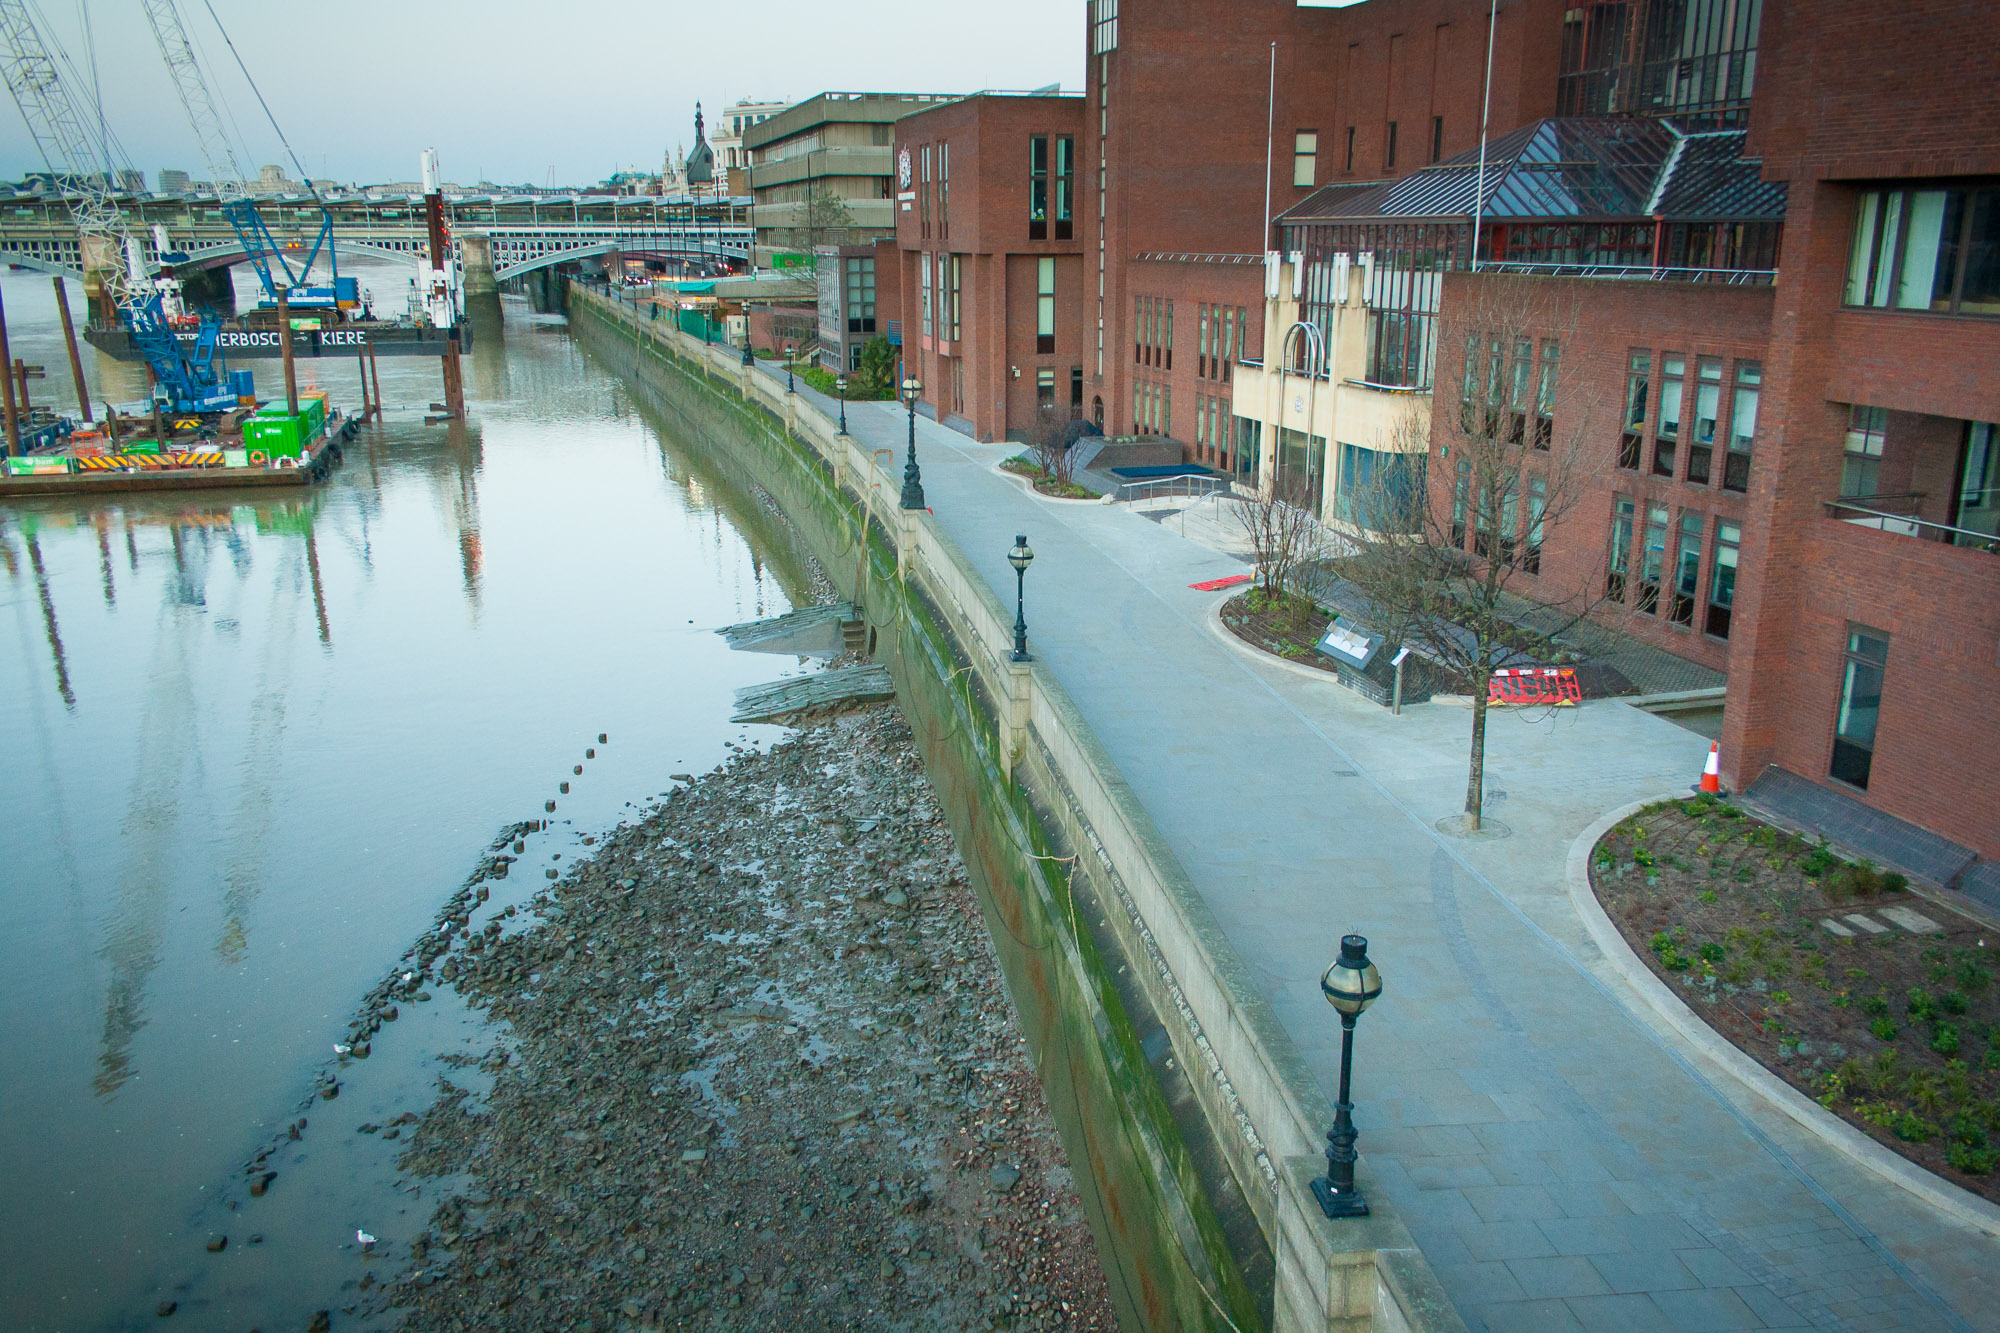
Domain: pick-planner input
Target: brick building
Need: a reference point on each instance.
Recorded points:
(991, 259)
(1776, 228)
(820, 170)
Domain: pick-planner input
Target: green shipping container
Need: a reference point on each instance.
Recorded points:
(139, 447)
(275, 436)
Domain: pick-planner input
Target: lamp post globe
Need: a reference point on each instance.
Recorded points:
(913, 480)
(840, 383)
(1020, 556)
(1350, 984)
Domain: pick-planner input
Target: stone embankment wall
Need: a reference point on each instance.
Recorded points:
(1056, 842)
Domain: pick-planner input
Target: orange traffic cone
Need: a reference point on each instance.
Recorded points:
(1711, 772)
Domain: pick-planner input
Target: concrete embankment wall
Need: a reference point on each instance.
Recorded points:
(1057, 843)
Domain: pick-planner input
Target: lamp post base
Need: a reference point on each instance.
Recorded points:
(1336, 1204)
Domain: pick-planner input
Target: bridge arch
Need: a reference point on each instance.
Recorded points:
(40, 265)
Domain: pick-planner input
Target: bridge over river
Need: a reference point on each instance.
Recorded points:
(496, 237)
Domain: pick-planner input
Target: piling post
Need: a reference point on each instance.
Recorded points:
(285, 345)
(375, 369)
(367, 410)
(13, 422)
(75, 361)
(20, 372)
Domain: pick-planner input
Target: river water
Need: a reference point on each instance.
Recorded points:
(254, 740)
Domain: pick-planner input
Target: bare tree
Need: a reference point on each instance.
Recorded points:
(823, 219)
(1054, 452)
(1284, 534)
(1449, 563)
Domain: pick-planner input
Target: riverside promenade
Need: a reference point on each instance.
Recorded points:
(1564, 1160)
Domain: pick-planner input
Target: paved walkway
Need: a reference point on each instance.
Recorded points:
(1562, 1164)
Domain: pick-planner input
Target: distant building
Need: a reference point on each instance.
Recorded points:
(173, 182)
(729, 127)
(823, 171)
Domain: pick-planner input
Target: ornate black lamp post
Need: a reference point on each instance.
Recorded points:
(749, 357)
(790, 352)
(913, 480)
(1350, 984)
(1019, 557)
(840, 383)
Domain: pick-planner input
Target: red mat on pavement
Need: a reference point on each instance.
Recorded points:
(1215, 585)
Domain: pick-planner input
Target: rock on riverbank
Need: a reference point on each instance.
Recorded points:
(760, 1073)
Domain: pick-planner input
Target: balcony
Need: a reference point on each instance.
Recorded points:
(1900, 514)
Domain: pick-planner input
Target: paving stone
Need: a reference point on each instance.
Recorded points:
(1480, 1284)
(1559, 1276)
(1633, 1313)
(1706, 1311)
(1869, 924)
(1713, 1268)
(1525, 1317)
(1505, 1240)
(1587, 1198)
(1510, 1203)
(1910, 919)
(1836, 927)
(1585, 1235)
(1650, 1271)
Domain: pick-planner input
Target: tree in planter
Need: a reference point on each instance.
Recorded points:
(1450, 565)
(875, 372)
(1286, 537)
(1054, 453)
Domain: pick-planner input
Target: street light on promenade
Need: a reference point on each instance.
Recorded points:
(1350, 985)
(1019, 557)
(790, 353)
(913, 480)
(840, 383)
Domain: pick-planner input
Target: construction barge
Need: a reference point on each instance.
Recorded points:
(252, 446)
(364, 338)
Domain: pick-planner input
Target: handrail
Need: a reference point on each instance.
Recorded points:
(1215, 484)
(1910, 526)
(1664, 273)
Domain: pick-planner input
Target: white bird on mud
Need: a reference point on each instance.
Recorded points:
(341, 1048)
(365, 1239)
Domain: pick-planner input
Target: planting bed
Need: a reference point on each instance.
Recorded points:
(1282, 623)
(1046, 484)
(1880, 1005)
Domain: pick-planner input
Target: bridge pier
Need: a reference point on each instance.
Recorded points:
(475, 253)
(210, 289)
(100, 256)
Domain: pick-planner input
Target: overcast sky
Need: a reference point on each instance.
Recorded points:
(511, 90)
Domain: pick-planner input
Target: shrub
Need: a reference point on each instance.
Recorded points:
(1860, 880)
(1944, 1039)
(1968, 1131)
(1883, 1028)
(1668, 952)
(1712, 952)
(1972, 1161)
(1908, 1128)
(1951, 1002)
(1707, 896)
(1971, 972)
(1817, 862)
(1641, 856)
(1893, 882)
(1876, 1006)
(1921, 1007)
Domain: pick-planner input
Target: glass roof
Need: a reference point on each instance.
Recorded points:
(1596, 168)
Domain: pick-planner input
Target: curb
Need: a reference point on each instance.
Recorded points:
(1256, 654)
(1029, 486)
(1751, 1077)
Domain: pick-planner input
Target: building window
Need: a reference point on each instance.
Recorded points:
(1545, 394)
(1167, 337)
(1976, 499)
(924, 191)
(1652, 560)
(953, 289)
(1742, 426)
(1249, 445)
(1103, 26)
(1350, 150)
(1045, 307)
(1538, 504)
(1437, 138)
(1666, 438)
(1381, 490)
(1389, 161)
(1722, 579)
(1065, 187)
(1707, 403)
(1038, 187)
(1687, 569)
(1861, 470)
(1045, 390)
(944, 190)
(1517, 391)
(860, 295)
(1639, 385)
(1936, 250)
(925, 260)
(1860, 705)
(1622, 515)
(1201, 342)
(1305, 156)
(1076, 391)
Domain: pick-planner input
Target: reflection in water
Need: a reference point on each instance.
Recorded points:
(102, 522)
(49, 623)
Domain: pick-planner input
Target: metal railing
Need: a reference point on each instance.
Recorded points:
(1733, 277)
(1868, 511)
(1186, 484)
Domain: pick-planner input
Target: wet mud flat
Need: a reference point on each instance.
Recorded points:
(756, 1068)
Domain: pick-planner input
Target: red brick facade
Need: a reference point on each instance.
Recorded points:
(1850, 95)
